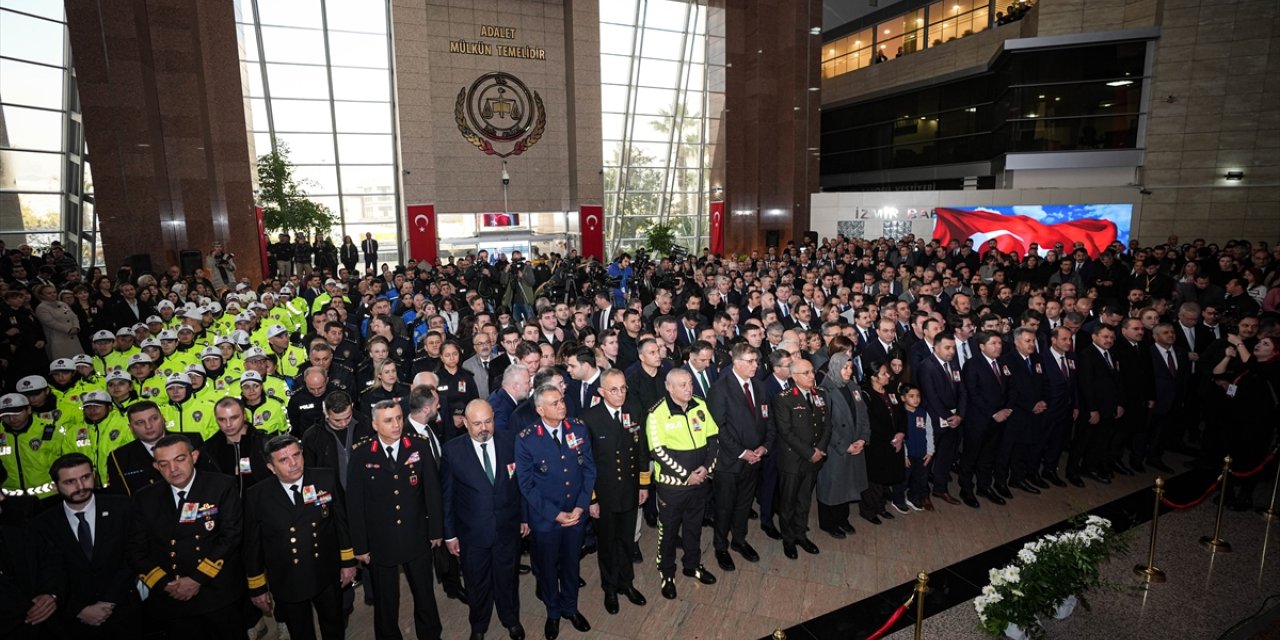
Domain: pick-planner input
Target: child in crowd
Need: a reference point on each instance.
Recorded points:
(913, 493)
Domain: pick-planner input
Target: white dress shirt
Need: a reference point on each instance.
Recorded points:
(90, 512)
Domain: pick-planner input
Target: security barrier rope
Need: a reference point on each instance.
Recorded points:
(893, 619)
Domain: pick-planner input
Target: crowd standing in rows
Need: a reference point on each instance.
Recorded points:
(184, 452)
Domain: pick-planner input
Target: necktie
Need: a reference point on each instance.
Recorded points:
(182, 497)
(485, 364)
(1168, 358)
(1028, 363)
(947, 368)
(996, 370)
(84, 534)
(555, 435)
(706, 386)
(1107, 356)
(1062, 362)
(751, 401)
(488, 466)
(583, 395)
(616, 418)
(297, 494)
(391, 454)
(964, 347)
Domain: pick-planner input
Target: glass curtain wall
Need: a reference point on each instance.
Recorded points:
(46, 192)
(656, 122)
(317, 78)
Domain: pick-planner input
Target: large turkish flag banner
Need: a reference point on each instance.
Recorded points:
(717, 227)
(423, 244)
(591, 224)
(263, 258)
(1016, 233)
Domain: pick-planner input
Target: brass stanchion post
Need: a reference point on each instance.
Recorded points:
(922, 587)
(1148, 571)
(1270, 512)
(779, 634)
(1216, 544)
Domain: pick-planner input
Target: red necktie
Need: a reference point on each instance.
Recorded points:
(1062, 361)
(996, 370)
(1168, 358)
(751, 403)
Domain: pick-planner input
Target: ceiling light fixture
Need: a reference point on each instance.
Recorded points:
(1235, 176)
(1119, 83)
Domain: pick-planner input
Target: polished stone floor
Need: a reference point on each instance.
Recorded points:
(779, 593)
(1205, 596)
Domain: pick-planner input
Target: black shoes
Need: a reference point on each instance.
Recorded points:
(789, 550)
(476, 636)
(1137, 466)
(552, 628)
(459, 594)
(669, 588)
(1027, 486)
(847, 527)
(1075, 481)
(884, 514)
(970, 501)
(835, 533)
(1121, 468)
(701, 575)
(872, 519)
(771, 531)
(808, 546)
(1002, 490)
(587, 550)
(725, 560)
(745, 550)
(1097, 476)
(992, 497)
(516, 632)
(611, 603)
(634, 597)
(1038, 482)
(579, 622)
(1053, 479)
(636, 556)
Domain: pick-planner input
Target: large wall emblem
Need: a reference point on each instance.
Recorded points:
(499, 108)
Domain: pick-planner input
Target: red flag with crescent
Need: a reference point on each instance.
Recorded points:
(717, 227)
(262, 243)
(422, 232)
(591, 224)
(1017, 232)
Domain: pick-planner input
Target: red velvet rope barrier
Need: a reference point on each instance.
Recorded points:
(893, 619)
(1258, 469)
(1194, 503)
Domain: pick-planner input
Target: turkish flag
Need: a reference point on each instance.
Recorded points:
(591, 224)
(1016, 233)
(263, 260)
(717, 227)
(423, 244)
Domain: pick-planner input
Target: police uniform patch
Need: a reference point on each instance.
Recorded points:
(113, 436)
(196, 415)
(35, 444)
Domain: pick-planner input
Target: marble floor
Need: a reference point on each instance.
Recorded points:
(779, 593)
(1205, 596)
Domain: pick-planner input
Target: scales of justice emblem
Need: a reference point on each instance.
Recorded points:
(499, 108)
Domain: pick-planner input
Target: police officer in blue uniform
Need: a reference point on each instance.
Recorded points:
(557, 475)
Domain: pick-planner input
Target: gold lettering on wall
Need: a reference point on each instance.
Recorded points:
(482, 48)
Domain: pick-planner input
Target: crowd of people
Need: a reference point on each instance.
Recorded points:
(184, 452)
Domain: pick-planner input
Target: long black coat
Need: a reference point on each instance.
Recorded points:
(884, 464)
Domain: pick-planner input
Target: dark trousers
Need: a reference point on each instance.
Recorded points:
(733, 495)
(370, 263)
(492, 578)
(555, 564)
(615, 535)
(981, 442)
(680, 511)
(328, 607)
(386, 599)
(1088, 446)
(795, 494)
(1149, 444)
(946, 449)
(831, 516)
(448, 573)
(916, 484)
(1012, 453)
(1058, 423)
(1129, 428)
(873, 500)
(767, 489)
(227, 622)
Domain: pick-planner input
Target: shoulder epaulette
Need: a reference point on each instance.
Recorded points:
(361, 442)
(657, 404)
(526, 431)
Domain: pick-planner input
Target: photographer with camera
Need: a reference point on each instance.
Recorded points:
(517, 287)
(221, 267)
(621, 270)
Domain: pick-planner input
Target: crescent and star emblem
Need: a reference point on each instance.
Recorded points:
(421, 221)
(593, 222)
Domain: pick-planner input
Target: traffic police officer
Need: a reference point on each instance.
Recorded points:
(557, 474)
(93, 432)
(683, 441)
(297, 547)
(28, 447)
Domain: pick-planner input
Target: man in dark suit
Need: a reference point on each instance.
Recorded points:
(297, 572)
(621, 452)
(1059, 366)
(984, 420)
(516, 380)
(90, 532)
(395, 513)
(584, 380)
(1100, 393)
(877, 350)
(128, 310)
(185, 543)
(1133, 359)
(369, 247)
(31, 583)
(1170, 381)
(942, 391)
(740, 405)
(131, 466)
(1026, 387)
(483, 518)
(602, 317)
(701, 367)
(804, 430)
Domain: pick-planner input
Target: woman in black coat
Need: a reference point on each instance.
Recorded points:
(349, 254)
(883, 450)
(1252, 409)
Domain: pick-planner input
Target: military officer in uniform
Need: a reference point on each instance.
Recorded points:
(297, 548)
(622, 484)
(683, 442)
(557, 474)
(804, 429)
(395, 512)
(185, 543)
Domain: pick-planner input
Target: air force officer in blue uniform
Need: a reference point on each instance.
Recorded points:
(557, 474)
(483, 518)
